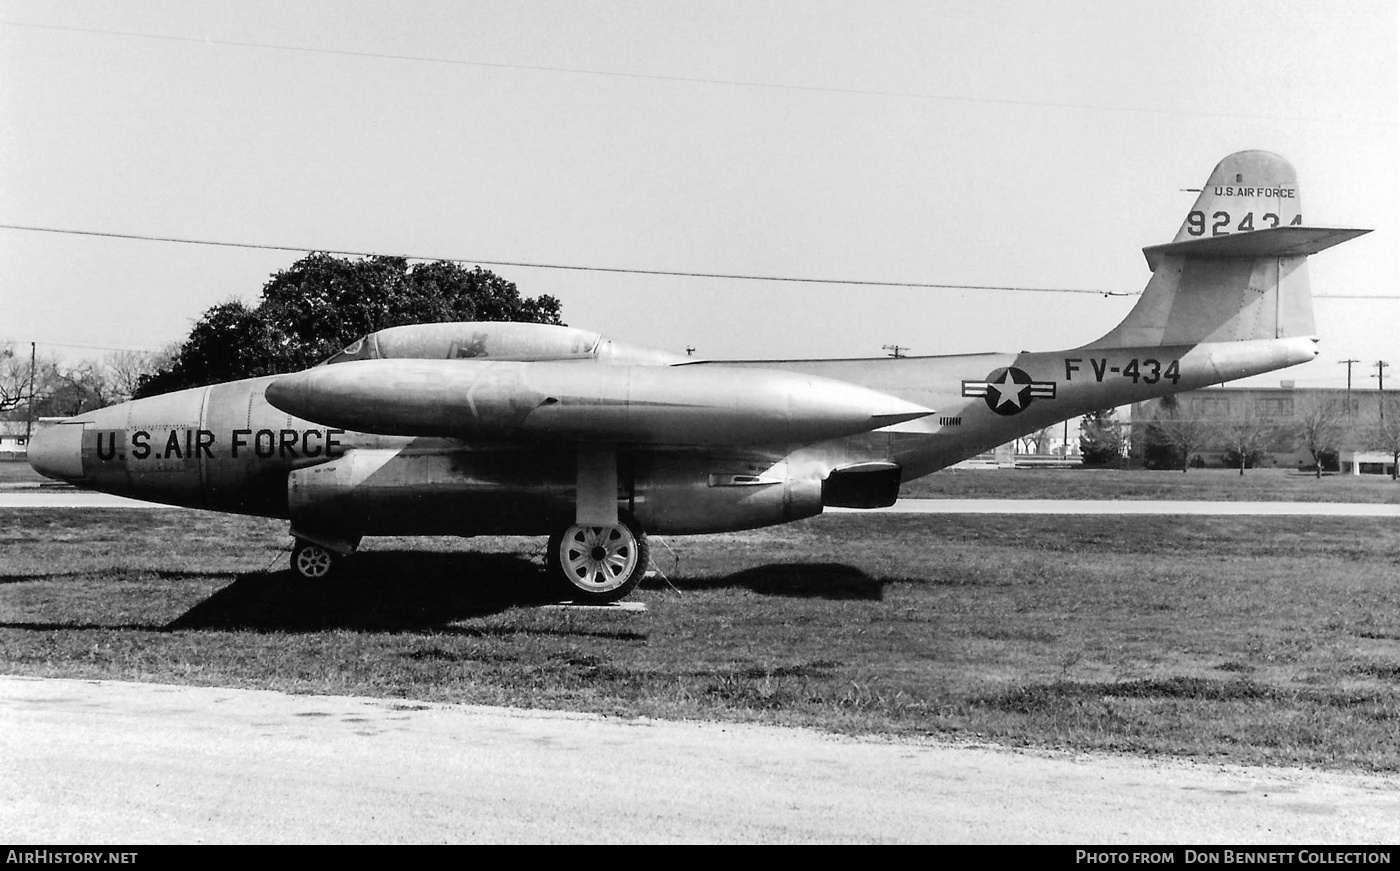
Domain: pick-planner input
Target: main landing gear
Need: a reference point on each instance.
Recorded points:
(598, 564)
(591, 565)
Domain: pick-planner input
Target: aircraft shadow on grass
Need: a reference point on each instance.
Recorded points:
(796, 580)
(380, 592)
(416, 591)
(409, 592)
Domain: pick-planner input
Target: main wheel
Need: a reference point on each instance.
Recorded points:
(599, 564)
(313, 561)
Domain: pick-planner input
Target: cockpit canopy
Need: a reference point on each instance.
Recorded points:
(498, 341)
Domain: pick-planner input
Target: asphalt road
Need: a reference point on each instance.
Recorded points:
(99, 762)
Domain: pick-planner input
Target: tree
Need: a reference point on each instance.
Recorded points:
(75, 389)
(125, 369)
(1178, 430)
(28, 391)
(1101, 438)
(323, 303)
(1319, 425)
(16, 377)
(1385, 436)
(1245, 436)
(54, 388)
(229, 342)
(1035, 442)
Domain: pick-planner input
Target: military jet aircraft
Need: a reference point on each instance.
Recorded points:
(500, 428)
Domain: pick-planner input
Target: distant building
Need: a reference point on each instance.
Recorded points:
(14, 436)
(14, 440)
(1283, 406)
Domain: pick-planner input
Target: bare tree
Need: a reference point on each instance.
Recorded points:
(1319, 424)
(23, 388)
(1184, 430)
(76, 389)
(1035, 442)
(1245, 435)
(15, 377)
(62, 389)
(1385, 435)
(125, 369)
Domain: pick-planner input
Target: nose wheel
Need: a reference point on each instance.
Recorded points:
(312, 561)
(598, 564)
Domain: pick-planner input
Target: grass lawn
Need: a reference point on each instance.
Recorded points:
(1270, 640)
(1211, 485)
(19, 472)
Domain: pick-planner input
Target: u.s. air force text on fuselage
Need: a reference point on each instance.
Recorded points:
(188, 443)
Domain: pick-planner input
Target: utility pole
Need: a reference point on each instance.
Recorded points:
(29, 409)
(1348, 363)
(1380, 375)
(896, 351)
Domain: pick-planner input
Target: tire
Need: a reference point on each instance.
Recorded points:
(595, 565)
(313, 562)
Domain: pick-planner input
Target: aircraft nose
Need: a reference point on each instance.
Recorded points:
(57, 451)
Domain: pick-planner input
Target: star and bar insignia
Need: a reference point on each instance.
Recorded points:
(1010, 390)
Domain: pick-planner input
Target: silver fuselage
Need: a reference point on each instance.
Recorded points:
(226, 448)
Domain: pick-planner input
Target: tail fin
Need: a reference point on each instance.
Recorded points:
(1237, 269)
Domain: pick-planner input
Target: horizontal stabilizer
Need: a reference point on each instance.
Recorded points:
(1271, 242)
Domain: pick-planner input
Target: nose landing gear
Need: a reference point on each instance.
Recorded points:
(312, 561)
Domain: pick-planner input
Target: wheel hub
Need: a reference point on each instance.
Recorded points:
(598, 558)
(312, 561)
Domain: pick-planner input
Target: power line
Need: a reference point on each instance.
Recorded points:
(574, 267)
(302, 249)
(128, 347)
(85, 346)
(738, 83)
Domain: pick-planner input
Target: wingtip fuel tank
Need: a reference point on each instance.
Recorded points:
(572, 401)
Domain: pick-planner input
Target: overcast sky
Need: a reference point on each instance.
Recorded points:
(982, 144)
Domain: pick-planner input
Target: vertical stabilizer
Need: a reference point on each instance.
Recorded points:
(1237, 268)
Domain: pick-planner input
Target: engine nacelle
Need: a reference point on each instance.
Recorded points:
(514, 492)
